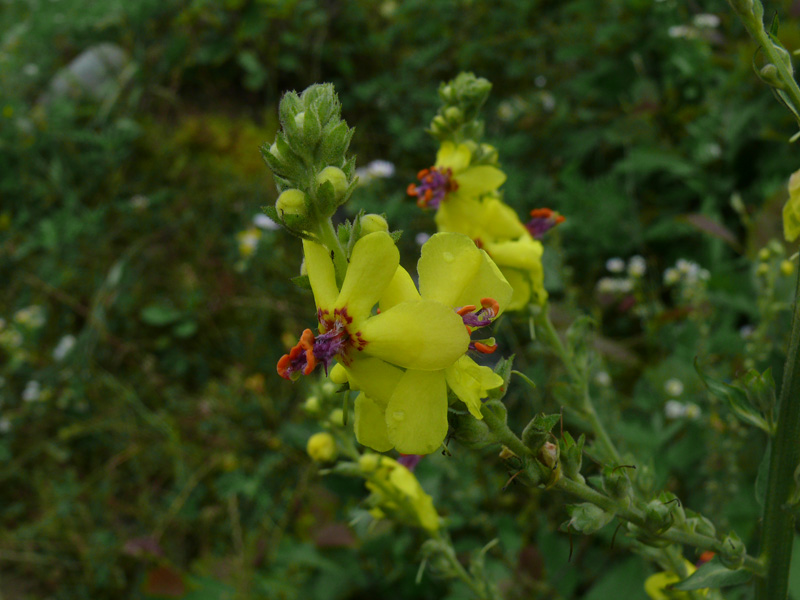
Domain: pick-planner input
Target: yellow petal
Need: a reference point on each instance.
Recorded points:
(372, 266)
(370, 424)
(521, 284)
(425, 513)
(376, 378)
(471, 383)
(523, 253)
(479, 180)
(321, 274)
(423, 335)
(500, 221)
(416, 417)
(453, 157)
(400, 289)
(466, 215)
(455, 272)
(791, 210)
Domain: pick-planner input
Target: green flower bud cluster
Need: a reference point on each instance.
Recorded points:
(308, 159)
(457, 118)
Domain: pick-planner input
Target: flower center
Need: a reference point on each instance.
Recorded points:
(474, 318)
(543, 220)
(335, 341)
(435, 183)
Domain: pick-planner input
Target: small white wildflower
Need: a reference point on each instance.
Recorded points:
(747, 331)
(32, 391)
(673, 387)
(615, 265)
(5, 425)
(421, 238)
(704, 275)
(671, 276)
(607, 285)
(140, 202)
(680, 31)
(248, 241)
(683, 265)
(706, 20)
(602, 378)
(674, 409)
(624, 286)
(637, 266)
(31, 69)
(262, 221)
(692, 410)
(64, 347)
(540, 81)
(30, 316)
(381, 168)
(548, 101)
(505, 111)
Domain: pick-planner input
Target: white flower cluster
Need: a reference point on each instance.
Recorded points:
(687, 272)
(31, 317)
(675, 409)
(377, 169)
(699, 23)
(635, 268)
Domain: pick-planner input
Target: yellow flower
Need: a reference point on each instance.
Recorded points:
(408, 410)
(791, 210)
(396, 493)
(452, 177)
(657, 586)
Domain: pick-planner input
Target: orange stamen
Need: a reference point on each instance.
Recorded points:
(305, 344)
(560, 219)
(484, 349)
(465, 310)
(490, 303)
(422, 173)
(542, 213)
(411, 190)
(705, 557)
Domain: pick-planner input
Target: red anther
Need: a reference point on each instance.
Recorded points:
(411, 190)
(465, 309)
(491, 303)
(483, 348)
(422, 173)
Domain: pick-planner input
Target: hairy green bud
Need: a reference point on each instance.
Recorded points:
(291, 202)
(732, 553)
(336, 178)
(371, 223)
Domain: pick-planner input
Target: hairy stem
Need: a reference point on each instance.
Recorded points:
(777, 533)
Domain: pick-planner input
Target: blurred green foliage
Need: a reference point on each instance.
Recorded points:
(154, 453)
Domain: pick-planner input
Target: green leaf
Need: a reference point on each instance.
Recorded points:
(302, 281)
(736, 400)
(159, 315)
(713, 574)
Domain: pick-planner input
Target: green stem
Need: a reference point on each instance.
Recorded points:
(779, 523)
(587, 407)
(459, 569)
(504, 435)
(632, 515)
(330, 240)
(755, 27)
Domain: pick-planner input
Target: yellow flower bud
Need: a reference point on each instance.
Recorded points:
(299, 119)
(372, 223)
(291, 202)
(337, 416)
(274, 151)
(787, 267)
(322, 447)
(762, 270)
(763, 254)
(453, 114)
(336, 177)
(311, 404)
(338, 374)
(369, 462)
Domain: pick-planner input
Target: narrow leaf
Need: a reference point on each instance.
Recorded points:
(713, 574)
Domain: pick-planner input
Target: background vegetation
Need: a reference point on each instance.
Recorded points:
(148, 448)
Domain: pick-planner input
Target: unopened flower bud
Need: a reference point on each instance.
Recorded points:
(336, 178)
(299, 119)
(311, 404)
(275, 152)
(369, 462)
(453, 114)
(291, 202)
(321, 447)
(658, 516)
(733, 551)
(337, 416)
(338, 375)
(787, 267)
(762, 270)
(371, 223)
(769, 73)
(439, 125)
(763, 254)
